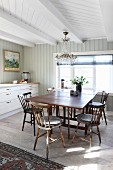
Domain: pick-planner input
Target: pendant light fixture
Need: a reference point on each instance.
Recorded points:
(66, 58)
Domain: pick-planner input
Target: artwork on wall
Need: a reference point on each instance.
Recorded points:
(11, 60)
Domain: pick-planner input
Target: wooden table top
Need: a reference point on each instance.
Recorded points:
(63, 98)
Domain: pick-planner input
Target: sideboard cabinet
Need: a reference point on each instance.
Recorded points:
(9, 102)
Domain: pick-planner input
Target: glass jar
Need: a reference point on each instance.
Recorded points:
(26, 76)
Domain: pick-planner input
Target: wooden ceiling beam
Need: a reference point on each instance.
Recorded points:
(106, 7)
(57, 18)
(15, 39)
(41, 36)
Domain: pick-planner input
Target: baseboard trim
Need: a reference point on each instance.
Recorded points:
(10, 113)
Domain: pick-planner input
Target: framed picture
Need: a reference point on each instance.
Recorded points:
(11, 60)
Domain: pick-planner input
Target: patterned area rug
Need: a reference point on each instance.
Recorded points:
(13, 158)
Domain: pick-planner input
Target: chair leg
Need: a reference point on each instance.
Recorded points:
(98, 131)
(24, 121)
(104, 116)
(54, 107)
(63, 142)
(31, 119)
(34, 124)
(36, 139)
(75, 132)
(47, 145)
(90, 136)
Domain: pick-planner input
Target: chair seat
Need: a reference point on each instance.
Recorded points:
(85, 118)
(40, 105)
(96, 104)
(30, 110)
(53, 120)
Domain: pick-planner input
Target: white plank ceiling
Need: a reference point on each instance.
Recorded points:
(30, 22)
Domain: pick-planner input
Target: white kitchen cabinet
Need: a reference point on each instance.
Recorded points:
(9, 102)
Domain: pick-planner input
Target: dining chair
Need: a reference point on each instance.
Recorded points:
(27, 109)
(51, 90)
(90, 119)
(103, 100)
(59, 109)
(47, 123)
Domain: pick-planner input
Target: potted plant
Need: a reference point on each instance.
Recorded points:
(79, 82)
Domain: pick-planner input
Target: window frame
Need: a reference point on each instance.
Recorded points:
(95, 53)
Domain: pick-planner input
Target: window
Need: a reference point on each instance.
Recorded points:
(97, 69)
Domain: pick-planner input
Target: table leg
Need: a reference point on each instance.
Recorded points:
(68, 124)
(57, 111)
(50, 110)
(64, 115)
(86, 130)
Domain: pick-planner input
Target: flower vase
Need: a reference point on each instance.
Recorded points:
(79, 88)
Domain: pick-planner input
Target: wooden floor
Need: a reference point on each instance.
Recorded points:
(75, 156)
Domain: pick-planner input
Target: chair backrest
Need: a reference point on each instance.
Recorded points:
(50, 89)
(42, 121)
(104, 97)
(27, 95)
(96, 112)
(25, 104)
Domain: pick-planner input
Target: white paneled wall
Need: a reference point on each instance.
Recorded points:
(39, 60)
(8, 77)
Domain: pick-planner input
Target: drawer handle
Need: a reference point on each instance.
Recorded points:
(7, 89)
(8, 93)
(8, 102)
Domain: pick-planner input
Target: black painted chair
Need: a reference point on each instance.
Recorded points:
(103, 100)
(90, 119)
(27, 109)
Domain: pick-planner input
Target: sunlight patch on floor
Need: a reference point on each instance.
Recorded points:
(92, 155)
(82, 167)
(94, 148)
(75, 149)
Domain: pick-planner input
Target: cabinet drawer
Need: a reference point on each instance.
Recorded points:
(29, 89)
(33, 85)
(9, 89)
(33, 88)
(8, 96)
(24, 86)
(4, 90)
(24, 91)
(14, 88)
(9, 106)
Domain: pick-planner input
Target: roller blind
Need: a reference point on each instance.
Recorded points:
(93, 60)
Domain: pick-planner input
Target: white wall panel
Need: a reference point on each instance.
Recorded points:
(39, 60)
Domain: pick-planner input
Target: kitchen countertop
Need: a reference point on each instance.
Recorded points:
(18, 84)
